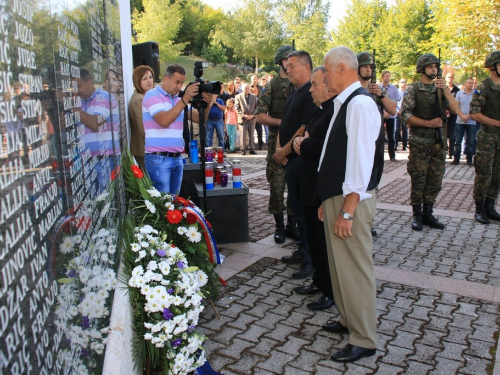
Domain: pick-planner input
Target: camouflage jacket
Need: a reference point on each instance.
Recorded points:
(264, 101)
(479, 97)
(408, 105)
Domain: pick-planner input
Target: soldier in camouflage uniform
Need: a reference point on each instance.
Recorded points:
(269, 112)
(366, 69)
(485, 108)
(421, 111)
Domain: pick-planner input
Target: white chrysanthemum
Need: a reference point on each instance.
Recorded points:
(152, 266)
(150, 206)
(142, 254)
(147, 229)
(154, 193)
(77, 238)
(67, 245)
(201, 277)
(181, 230)
(193, 235)
(138, 271)
(169, 206)
(135, 247)
(112, 249)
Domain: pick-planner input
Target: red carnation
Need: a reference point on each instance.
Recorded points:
(174, 216)
(191, 218)
(137, 171)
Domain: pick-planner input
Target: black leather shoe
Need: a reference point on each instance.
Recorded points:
(307, 290)
(252, 152)
(243, 153)
(295, 258)
(305, 270)
(334, 326)
(322, 303)
(374, 232)
(351, 353)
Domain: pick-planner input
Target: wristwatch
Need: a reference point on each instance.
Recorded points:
(384, 94)
(346, 215)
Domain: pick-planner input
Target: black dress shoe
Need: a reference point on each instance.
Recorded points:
(351, 353)
(335, 327)
(243, 153)
(307, 290)
(322, 303)
(295, 258)
(252, 152)
(305, 270)
(374, 232)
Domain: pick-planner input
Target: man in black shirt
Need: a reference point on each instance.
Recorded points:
(309, 149)
(298, 109)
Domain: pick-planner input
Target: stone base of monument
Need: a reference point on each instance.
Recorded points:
(227, 212)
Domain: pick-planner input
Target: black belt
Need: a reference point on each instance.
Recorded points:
(215, 119)
(167, 154)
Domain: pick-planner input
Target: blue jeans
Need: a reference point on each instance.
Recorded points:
(218, 125)
(460, 129)
(165, 172)
(231, 133)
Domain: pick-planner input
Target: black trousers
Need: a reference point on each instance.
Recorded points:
(315, 232)
(258, 128)
(389, 127)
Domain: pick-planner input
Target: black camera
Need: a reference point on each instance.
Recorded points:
(209, 87)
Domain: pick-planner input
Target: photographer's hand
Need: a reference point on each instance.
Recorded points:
(191, 91)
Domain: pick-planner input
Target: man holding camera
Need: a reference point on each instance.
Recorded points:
(163, 116)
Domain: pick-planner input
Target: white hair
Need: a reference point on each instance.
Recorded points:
(343, 55)
(244, 87)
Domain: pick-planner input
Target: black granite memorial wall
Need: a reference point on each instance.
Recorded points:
(62, 128)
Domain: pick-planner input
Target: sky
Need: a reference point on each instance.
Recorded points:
(337, 9)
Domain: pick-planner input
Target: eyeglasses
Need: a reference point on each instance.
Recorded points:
(402, 81)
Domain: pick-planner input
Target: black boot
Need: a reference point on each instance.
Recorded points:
(489, 207)
(291, 229)
(429, 219)
(480, 215)
(416, 223)
(279, 233)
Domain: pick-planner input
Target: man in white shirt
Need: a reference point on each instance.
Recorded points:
(346, 188)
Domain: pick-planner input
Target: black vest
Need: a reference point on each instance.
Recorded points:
(331, 174)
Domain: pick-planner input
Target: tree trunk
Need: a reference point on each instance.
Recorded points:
(256, 64)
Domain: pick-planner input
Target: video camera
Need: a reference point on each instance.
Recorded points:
(209, 87)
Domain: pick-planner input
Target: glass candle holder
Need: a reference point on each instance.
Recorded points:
(209, 176)
(236, 174)
(223, 178)
(220, 155)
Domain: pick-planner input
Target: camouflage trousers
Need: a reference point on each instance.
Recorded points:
(487, 164)
(275, 174)
(426, 169)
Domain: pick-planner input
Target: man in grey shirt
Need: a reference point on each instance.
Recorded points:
(390, 120)
(465, 124)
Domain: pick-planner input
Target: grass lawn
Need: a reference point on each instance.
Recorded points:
(212, 73)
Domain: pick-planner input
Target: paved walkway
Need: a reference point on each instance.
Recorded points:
(438, 292)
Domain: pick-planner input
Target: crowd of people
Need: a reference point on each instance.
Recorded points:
(325, 145)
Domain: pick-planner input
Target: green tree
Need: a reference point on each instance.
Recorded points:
(305, 21)
(399, 37)
(160, 22)
(251, 31)
(215, 53)
(466, 32)
(360, 24)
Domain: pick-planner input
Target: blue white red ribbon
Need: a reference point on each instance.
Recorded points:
(213, 252)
